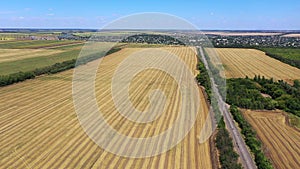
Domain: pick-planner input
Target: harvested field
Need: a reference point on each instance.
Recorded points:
(39, 127)
(281, 141)
(250, 62)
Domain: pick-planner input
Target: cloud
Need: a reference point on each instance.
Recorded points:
(50, 14)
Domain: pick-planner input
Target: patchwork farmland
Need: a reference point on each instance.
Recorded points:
(25, 55)
(39, 127)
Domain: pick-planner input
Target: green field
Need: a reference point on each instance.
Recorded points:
(28, 59)
(289, 56)
(33, 44)
(30, 64)
(289, 53)
(66, 50)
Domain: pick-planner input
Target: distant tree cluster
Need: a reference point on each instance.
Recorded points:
(71, 36)
(251, 139)
(247, 93)
(152, 39)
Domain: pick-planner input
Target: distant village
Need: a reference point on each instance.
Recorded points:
(252, 41)
(217, 39)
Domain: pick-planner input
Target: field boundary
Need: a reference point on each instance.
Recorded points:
(285, 114)
(55, 68)
(294, 63)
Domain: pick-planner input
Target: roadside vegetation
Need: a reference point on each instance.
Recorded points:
(251, 139)
(228, 158)
(203, 79)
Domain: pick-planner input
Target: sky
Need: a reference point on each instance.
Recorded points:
(205, 14)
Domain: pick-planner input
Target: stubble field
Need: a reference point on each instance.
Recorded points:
(281, 141)
(239, 63)
(39, 127)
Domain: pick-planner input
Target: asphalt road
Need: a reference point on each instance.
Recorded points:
(239, 142)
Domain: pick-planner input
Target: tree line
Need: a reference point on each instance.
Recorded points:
(203, 79)
(295, 63)
(228, 158)
(251, 140)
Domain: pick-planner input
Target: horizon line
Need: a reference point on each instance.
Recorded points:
(96, 29)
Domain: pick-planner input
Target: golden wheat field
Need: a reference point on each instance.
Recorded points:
(39, 127)
(250, 62)
(281, 141)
